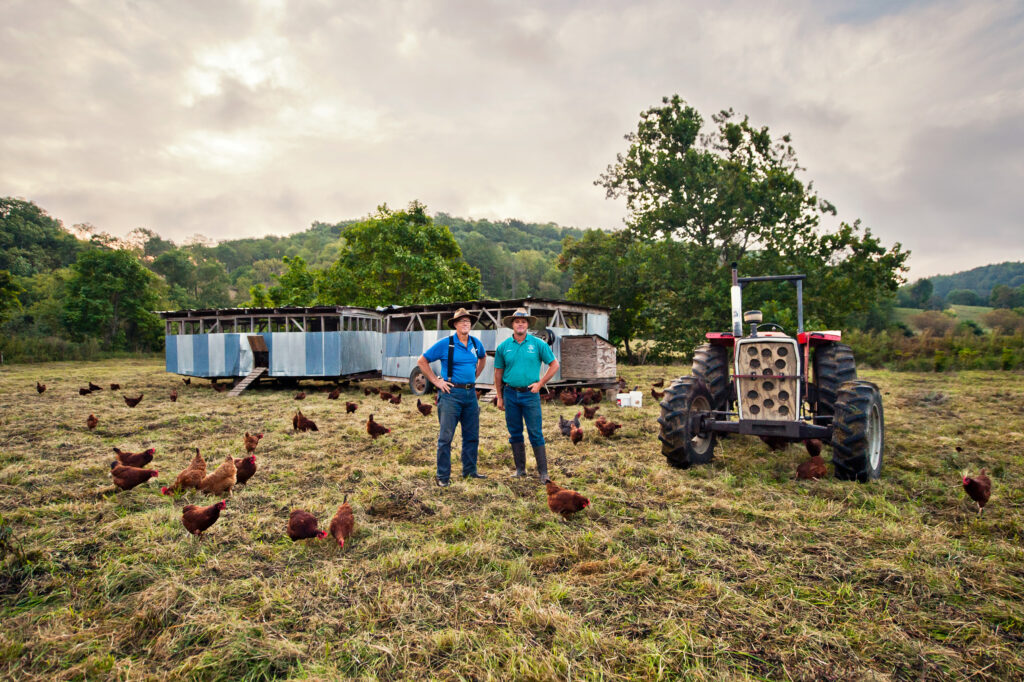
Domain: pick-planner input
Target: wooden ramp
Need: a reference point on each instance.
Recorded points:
(249, 378)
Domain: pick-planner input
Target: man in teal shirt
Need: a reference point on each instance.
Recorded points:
(517, 381)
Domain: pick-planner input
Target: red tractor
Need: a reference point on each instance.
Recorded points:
(775, 386)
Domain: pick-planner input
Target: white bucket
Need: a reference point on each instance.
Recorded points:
(631, 399)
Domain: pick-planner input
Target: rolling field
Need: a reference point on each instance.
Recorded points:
(730, 570)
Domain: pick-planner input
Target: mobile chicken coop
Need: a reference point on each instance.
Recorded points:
(289, 344)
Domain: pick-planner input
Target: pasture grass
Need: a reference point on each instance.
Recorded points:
(731, 570)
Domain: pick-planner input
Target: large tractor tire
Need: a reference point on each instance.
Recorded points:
(681, 442)
(858, 435)
(418, 383)
(833, 366)
(711, 365)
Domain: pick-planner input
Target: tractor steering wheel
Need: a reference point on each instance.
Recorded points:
(778, 327)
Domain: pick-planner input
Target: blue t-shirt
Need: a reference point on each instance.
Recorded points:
(464, 358)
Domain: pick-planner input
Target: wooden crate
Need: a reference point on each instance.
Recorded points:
(587, 357)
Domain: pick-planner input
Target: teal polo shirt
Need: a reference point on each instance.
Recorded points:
(521, 361)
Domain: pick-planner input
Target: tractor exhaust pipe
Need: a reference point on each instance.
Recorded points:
(736, 294)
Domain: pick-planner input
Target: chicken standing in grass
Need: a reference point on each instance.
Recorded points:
(813, 468)
(301, 395)
(979, 489)
(813, 446)
(198, 519)
(424, 409)
(375, 429)
(568, 397)
(135, 459)
(187, 381)
(576, 435)
(333, 395)
(190, 477)
(302, 423)
(590, 411)
(127, 478)
(343, 523)
(40, 387)
(659, 383)
(245, 468)
(94, 387)
(565, 502)
(91, 421)
(606, 427)
(223, 478)
(396, 399)
(656, 395)
(251, 440)
(84, 391)
(303, 526)
(115, 387)
(174, 395)
(132, 402)
(220, 388)
(351, 407)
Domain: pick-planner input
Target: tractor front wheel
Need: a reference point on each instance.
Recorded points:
(858, 434)
(682, 441)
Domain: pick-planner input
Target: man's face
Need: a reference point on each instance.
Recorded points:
(463, 325)
(519, 327)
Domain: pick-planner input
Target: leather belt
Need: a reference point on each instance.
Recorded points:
(463, 385)
(520, 389)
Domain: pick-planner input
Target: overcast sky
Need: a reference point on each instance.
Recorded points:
(233, 119)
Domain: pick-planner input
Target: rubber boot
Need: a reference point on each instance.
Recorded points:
(541, 454)
(519, 457)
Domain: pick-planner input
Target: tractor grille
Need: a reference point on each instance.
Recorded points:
(768, 378)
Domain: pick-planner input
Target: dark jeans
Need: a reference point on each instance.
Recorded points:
(452, 408)
(520, 407)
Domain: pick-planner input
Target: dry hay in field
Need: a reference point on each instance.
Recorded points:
(398, 502)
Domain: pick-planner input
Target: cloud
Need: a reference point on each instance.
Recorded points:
(235, 118)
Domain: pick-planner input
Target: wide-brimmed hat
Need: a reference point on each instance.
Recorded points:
(519, 314)
(460, 313)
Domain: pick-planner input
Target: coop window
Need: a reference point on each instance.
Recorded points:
(278, 324)
(332, 323)
(314, 324)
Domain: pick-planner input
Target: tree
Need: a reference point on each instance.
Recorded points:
(921, 293)
(1005, 297)
(398, 258)
(706, 198)
(9, 292)
(295, 285)
(111, 296)
(31, 241)
(963, 297)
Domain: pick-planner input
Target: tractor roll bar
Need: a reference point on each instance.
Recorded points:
(737, 297)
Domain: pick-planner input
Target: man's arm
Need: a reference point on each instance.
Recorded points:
(441, 384)
(499, 375)
(552, 369)
(480, 366)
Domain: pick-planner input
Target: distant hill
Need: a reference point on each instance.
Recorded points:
(980, 280)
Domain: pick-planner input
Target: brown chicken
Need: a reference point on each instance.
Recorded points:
(813, 446)
(656, 395)
(135, 459)
(245, 468)
(351, 407)
(813, 468)
(565, 502)
(424, 409)
(91, 421)
(590, 411)
(568, 397)
(396, 399)
(384, 395)
(251, 440)
(84, 391)
(127, 478)
(395, 388)
(223, 478)
(777, 442)
(375, 429)
(301, 395)
(190, 477)
(586, 398)
(40, 387)
(333, 395)
(371, 389)
(343, 523)
(303, 526)
(220, 388)
(94, 387)
(174, 395)
(576, 435)
(197, 519)
(547, 396)
(606, 427)
(302, 423)
(979, 489)
(187, 381)
(132, 402)
(115, 387)
(659, 383)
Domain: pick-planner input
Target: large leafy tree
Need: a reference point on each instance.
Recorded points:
(398, 258)
(9, 291)
(110, 295)
(707, 196)
(31, 241)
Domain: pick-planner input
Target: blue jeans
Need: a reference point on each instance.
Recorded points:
(520, 407)
(458, 406)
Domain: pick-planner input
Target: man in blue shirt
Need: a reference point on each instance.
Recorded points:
(462, 359)
(518, 382)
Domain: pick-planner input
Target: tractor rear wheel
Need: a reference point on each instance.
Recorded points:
(858, 434)
(833, 366)
(682, 442)
(711, 365)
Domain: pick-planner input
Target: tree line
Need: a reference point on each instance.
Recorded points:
(700, 195)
